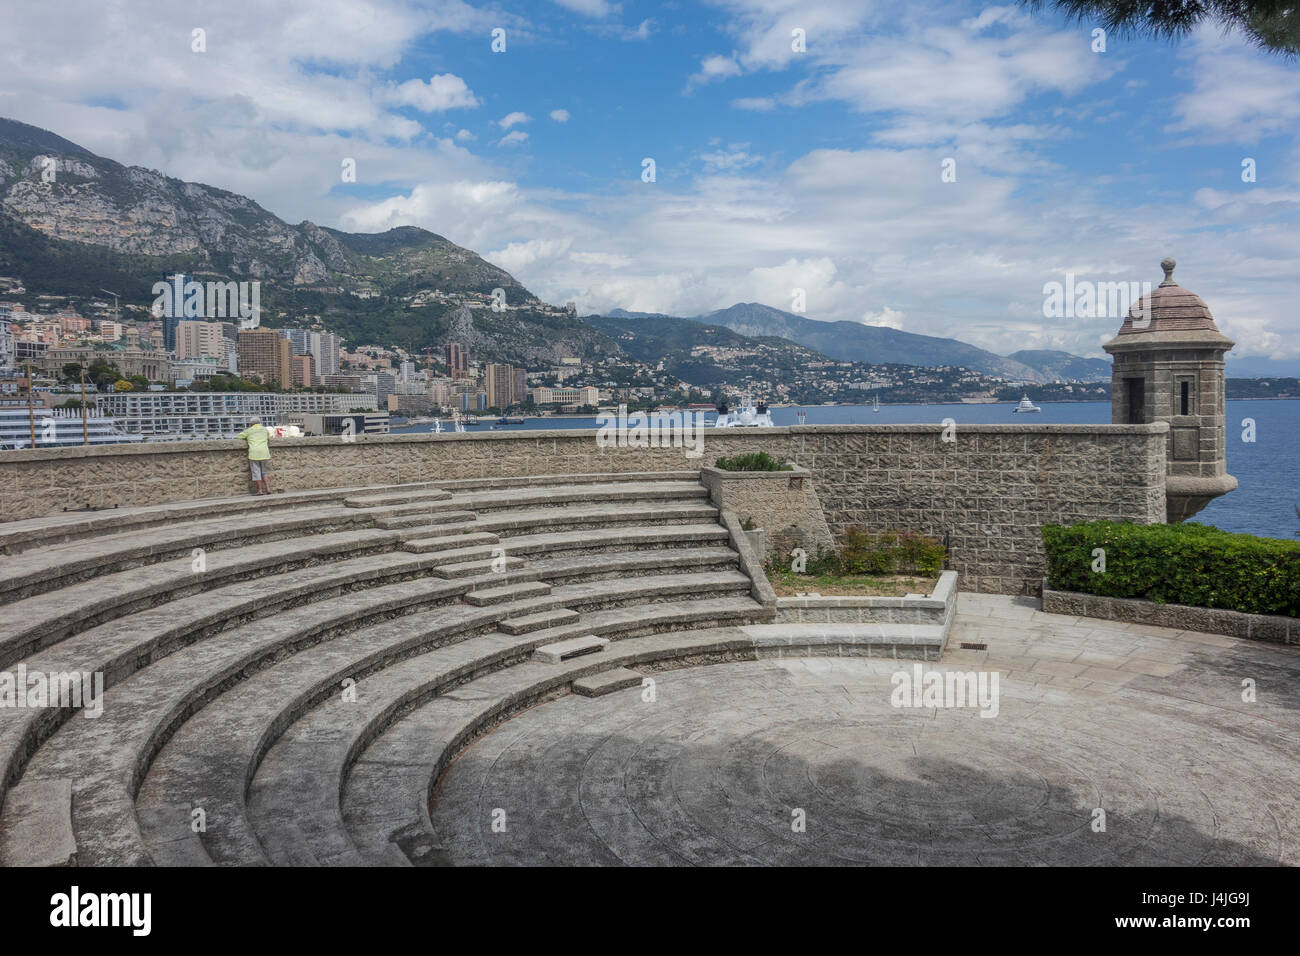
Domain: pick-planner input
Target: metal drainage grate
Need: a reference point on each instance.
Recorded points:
(973, 647)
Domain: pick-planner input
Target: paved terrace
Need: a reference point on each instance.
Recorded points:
(1143, 722)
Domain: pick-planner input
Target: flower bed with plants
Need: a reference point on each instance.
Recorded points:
(885, 562)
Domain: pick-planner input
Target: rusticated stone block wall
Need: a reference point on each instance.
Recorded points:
(783, 504)
(990, 489)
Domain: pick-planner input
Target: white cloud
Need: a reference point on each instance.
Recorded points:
(886, 318)
(560, 116)
(513, 138)
(590, 8)
(1237, 96)
(714, 67)
(444, 91)
(600, 259)
(733, 158)
(513, 119)
(518, 256)
(465, 136)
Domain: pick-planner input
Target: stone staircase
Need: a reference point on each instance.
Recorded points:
(287, 677)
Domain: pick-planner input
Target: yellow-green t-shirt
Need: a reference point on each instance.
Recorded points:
(258, 439)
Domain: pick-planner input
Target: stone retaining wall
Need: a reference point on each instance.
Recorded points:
(1206, 620)
(990, 489)
(782, 503)
(934, 609)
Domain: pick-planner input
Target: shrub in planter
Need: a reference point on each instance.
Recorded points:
(889, 552)
(1190, 564)
(755, 461)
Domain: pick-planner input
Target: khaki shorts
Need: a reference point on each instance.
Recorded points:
(260, 470)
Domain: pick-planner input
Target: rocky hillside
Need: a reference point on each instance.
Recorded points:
(73, 223)
(1064, 366)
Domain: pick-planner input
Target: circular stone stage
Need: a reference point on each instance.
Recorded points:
(715, 768)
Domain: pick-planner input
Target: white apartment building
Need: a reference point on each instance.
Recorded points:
(196, 340)
(322, 346)
(6, 346)
(178, 415)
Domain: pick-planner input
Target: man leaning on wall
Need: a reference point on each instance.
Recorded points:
(259, 455)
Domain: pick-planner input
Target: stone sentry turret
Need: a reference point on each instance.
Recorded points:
(1169, 367)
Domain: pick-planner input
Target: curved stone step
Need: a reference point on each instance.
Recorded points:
(571, 567)
(530, 481)
(575, 517)
(387, 791)
(108, 755)
(302, 775)
(54, 615)
(47, 569)
(123, 646)
(532, 496)
(212, 755)
(25, 534)
(589, 540)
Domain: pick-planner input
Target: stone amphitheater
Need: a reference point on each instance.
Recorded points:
(455, 672)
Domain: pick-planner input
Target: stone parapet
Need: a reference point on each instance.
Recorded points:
(990, 490)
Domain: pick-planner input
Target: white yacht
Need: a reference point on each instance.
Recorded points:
(1025, 406)
(875, 402)
(58, 428)
(748, 416)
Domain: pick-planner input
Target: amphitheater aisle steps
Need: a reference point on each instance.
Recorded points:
(303, 774)
(207, 762)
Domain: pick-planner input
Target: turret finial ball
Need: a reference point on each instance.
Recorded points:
(1168, 265)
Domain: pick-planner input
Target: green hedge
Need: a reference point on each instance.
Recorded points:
(1190, 564)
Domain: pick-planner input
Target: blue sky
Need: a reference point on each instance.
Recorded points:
(776, 169)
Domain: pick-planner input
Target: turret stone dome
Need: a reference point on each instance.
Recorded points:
(1171, 309)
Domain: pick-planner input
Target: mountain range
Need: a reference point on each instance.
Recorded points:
(877, 345)
(74, 223)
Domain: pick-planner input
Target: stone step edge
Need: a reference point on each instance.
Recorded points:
(121, 602)
(607, 682)
(437, 499)
(621, 535)
(47, 804)
(562, 651)
(37, 532)
(129, 554)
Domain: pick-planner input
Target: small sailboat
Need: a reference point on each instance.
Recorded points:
(1025, 405)
(875, 403)
(437, 426)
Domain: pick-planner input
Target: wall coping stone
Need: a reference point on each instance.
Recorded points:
(551, 434)
(935, 601)
(1273, 628)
